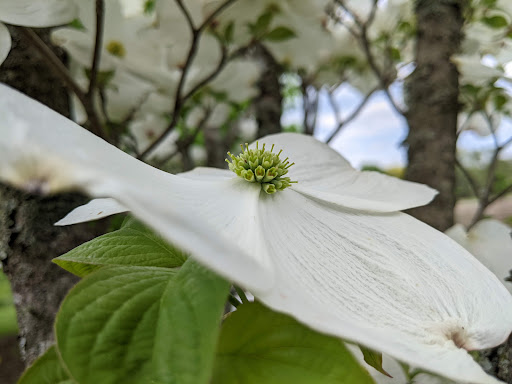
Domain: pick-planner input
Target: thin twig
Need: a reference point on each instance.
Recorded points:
(187, 15)
(483, 201)
(469, 178)
(352, 116)
(62, 72)
(98, 43)
(185, 143)
(179, 99)
(362, 37)
(500, 194)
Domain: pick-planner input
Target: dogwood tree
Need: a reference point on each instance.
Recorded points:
(322, 248)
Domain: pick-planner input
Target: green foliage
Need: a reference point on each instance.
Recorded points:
(142, 324)
(495, 21)
(188, 326)
(149, 6)
(279, 34)
(258, 346)
(262, 24)
(77, 24)
(133, 244)
(374, 359)
(46, 370)
(8, 323)
(103, 78)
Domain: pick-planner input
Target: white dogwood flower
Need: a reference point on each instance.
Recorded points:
(490, 242)
(330, 250)
(32, 13)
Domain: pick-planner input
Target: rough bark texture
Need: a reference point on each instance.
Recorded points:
(11, 365)
(498, 361)
(432, 97)
(28, 239)
(268, 104)
(28, 242)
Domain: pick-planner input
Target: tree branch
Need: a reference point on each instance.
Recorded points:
(469, 178)
(98, 42)
(352, 116)
(185, 143)
(179, 99)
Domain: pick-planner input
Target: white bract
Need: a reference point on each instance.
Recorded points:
(472, 71)
(123, 44)
(331, 250)
(32, 13)
(490, 242)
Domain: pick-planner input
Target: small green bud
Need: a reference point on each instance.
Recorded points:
(259, 172)
(270, 175)
(269, 188)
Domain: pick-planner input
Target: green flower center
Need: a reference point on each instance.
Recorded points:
(116, 48)
(261, 166)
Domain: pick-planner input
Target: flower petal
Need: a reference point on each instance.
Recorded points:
(94, 210)
(100, 208)
(42, 151)
(37, 13)
(5, 42)
(206, 173)
(489, 241)
(324, 174)
(386, 281)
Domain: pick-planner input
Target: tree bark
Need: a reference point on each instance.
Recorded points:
(432, 96)
(498, 361)
(28, 239)
(268, 104)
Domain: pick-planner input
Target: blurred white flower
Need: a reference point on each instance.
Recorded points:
(124, 45)
(478, 123)
(32, 13)
(472, 71)
(490, 242)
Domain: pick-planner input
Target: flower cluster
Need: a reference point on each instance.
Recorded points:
(261, 166)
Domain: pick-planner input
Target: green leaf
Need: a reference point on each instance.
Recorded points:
(495, 21)
(193, 303)
(263, 22)
(135, 325)
(133, 244)
(77, 24)
(374, 359)
(258, 346)
(102, 77)
(229, 32)
(500, 100)
(279, 34)
(47, 369)
(395, 54)
(149, 6)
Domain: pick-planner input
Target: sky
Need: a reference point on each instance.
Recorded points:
(375, 137)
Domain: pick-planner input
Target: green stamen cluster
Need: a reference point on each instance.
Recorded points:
(261, 166)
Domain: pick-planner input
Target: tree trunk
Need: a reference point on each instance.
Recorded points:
(432, 96)
(268, 104)
(28, 239)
